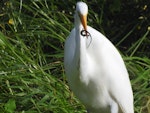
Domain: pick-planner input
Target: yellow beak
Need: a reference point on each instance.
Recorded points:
(84, 21)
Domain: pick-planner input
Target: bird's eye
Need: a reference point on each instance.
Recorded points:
(85, 33)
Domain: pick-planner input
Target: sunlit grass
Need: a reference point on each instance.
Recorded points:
(31, 61)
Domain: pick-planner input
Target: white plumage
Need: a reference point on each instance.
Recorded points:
(95, 70)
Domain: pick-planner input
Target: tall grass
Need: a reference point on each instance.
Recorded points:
(32, 78)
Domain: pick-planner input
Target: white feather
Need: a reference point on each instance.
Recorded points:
(95, 70)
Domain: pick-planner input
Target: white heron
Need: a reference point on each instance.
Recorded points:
(95, 70)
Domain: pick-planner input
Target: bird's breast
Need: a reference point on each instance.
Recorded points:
(90, 90)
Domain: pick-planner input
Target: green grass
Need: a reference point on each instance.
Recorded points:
(32, 78)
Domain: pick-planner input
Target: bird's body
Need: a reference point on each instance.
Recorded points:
(95, 70)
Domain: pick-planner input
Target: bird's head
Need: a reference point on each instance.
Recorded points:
(82, 11)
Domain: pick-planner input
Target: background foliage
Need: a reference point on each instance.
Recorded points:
(32, 36)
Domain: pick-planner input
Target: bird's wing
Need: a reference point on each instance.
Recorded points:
(119, 84)
(114, 67)
(122, 94)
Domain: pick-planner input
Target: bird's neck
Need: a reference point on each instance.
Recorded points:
(80, 43)
(81, 52)
(77, 21)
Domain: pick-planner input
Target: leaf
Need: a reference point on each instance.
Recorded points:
(10, 106)
(11, 21)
